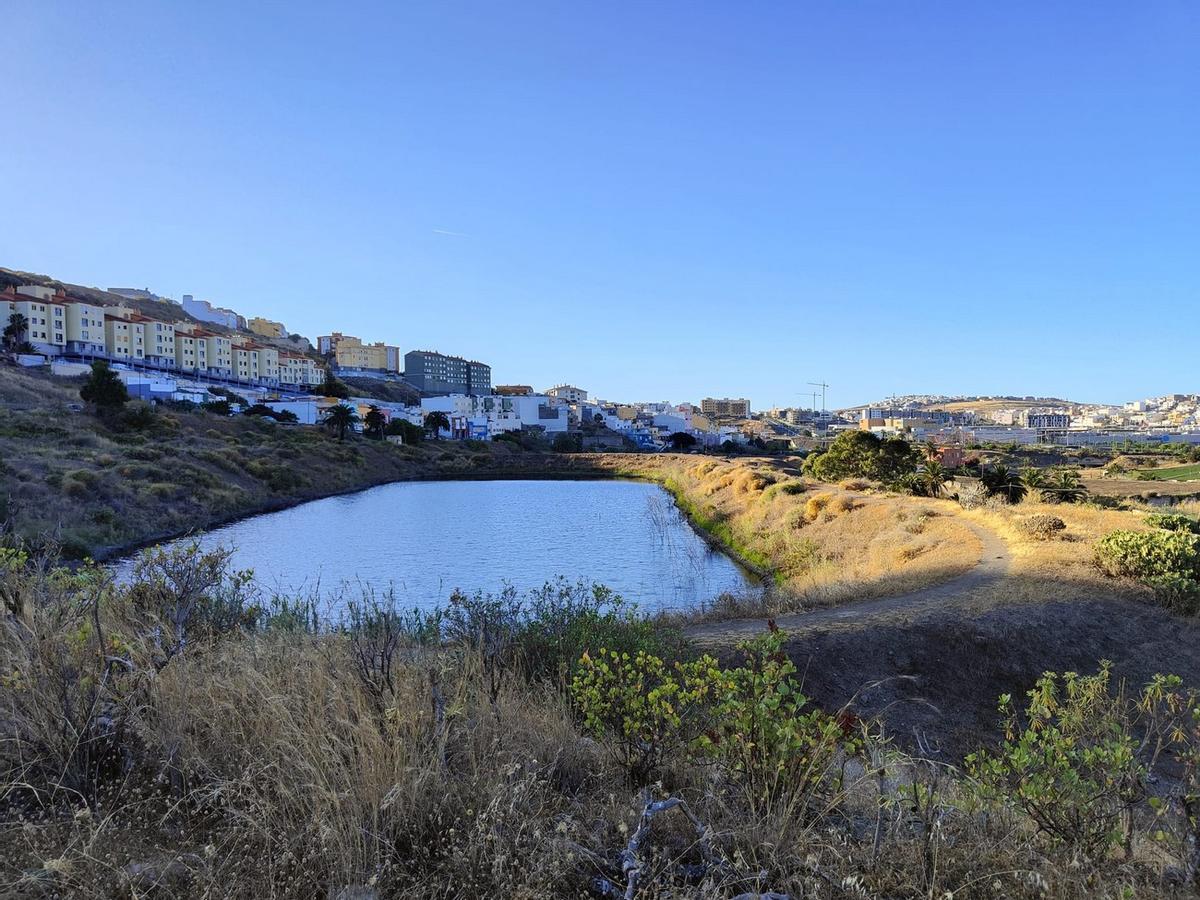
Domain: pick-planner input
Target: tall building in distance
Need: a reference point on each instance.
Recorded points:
(351, 353)
(725, 408)
(436, 373)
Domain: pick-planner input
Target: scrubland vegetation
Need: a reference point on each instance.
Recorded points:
(96, 484)
(184, 736)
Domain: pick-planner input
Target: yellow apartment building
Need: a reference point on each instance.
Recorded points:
(267, 327)
(124, 339)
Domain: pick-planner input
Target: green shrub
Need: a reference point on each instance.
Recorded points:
(753, 720)
(1149, 555)
(1173, 522)
(646, 710)
(796, 486)
(1077, 759)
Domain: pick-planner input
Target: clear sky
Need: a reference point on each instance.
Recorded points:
(649, 200)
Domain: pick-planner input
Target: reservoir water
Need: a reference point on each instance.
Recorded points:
(423, 540)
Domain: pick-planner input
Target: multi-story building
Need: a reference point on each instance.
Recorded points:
(725, 408)
(567, 392)
(45, 317)
(124, 337)
(215, 315)
(350, 352)
(436, 373)
(266, 327)
(191, 351)
(1048, 420)
(297, 370)
(85, 329)
(160, 342)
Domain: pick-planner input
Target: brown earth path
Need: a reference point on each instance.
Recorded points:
(993, 566)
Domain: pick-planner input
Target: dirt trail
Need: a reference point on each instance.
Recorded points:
(992, 566)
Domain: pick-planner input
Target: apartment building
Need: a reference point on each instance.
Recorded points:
(191, 351)
(568, 393)
(85, 329)
(350, 352)
(435, 373)
(266, 327)
(296, 370)
(725, 407)
(124, 338)
(206, 312)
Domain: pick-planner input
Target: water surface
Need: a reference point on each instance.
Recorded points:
(425, 539)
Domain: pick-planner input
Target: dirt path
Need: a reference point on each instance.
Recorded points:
(992, 566)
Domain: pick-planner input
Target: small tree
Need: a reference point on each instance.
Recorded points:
(435, 422)
(15, 332)
(681, 440)
(1002, 481)
(373, 422)
(340, 418)
(333, 386)
(411, 434)
(104, 389)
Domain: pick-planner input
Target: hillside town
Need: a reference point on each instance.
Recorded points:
(189, 351)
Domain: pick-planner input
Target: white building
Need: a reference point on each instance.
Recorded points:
(206, 312)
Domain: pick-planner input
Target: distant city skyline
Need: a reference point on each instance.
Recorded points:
(672, 202)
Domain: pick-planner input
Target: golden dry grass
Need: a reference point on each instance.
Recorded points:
(823, 545)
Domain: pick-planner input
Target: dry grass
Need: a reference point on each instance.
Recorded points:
(822, 545)
(259, 764)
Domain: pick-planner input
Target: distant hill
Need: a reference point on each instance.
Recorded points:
(932, 403)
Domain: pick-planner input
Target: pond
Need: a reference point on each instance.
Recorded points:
(423, 540)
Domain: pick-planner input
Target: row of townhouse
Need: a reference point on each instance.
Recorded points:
(57, 325)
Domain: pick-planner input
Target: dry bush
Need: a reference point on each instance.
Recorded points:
(816, 505)
(1040, 527)
(854, 484)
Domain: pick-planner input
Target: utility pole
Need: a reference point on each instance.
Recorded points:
(822, 385)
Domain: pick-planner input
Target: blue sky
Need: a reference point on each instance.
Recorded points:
(651, 200)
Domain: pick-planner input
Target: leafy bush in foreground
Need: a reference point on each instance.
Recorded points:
(1078, 758)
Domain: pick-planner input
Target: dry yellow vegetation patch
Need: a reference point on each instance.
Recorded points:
(822, 543)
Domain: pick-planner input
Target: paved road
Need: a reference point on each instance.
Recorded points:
(992, 566)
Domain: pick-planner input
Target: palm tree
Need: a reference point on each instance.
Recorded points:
(435, 422)
(15, 332)
(373, 422)
(340, 418)
(932, 452)
(1033, 477)
(1003, 481)
(932, 478)
(1064, 488)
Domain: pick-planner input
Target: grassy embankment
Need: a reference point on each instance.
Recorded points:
(100, 487)
(820, 544)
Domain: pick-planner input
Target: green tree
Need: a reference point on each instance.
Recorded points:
(436, 422)
(932, 478)
(374, 423)
(1001, 481)
(333, 386)
(104, 389)
(861, 454)
(1064, 487)
(411, 434)
(340, 418)
(681, 440)
(15, 332)
(1033, 477)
